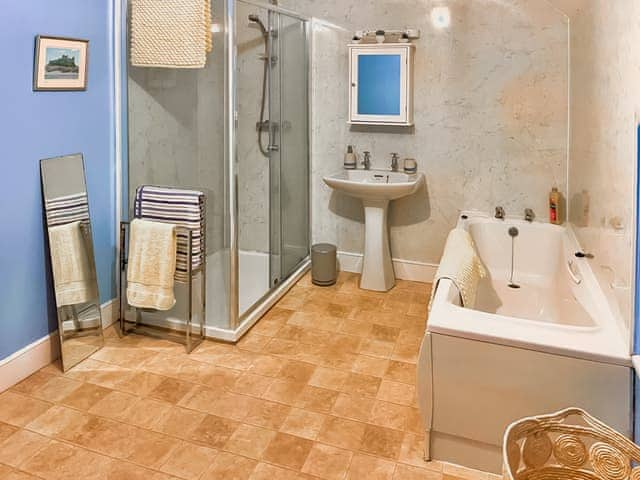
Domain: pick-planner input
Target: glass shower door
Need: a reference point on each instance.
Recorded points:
(290, 150)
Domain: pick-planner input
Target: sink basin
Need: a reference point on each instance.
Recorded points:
(375, 184)
(376, 188)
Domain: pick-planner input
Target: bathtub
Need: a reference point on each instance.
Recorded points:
(537, 340)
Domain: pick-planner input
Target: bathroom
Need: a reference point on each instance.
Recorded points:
(367, 377)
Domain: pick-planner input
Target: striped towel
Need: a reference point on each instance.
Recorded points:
(183, 208)
(67, 209)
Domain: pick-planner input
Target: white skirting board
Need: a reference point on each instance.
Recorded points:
(404, 269)
(43, 351)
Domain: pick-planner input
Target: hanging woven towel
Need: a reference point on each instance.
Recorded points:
(170, 33)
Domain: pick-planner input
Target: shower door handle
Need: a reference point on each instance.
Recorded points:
(273, 148)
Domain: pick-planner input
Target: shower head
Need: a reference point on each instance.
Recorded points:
(256, 19)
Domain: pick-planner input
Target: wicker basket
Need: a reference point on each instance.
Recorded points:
(568, 445)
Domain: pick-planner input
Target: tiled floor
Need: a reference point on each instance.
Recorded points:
(322, 387)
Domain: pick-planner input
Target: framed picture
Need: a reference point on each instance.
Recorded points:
(60, 64)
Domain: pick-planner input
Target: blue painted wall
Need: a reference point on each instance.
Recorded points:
(36, 125)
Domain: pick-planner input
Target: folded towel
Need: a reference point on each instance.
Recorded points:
(461, 264)
(67, 209)
(170, 33)
(183, 208)
(72, 263)
(151, 265)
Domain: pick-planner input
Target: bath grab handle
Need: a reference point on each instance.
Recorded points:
(574, 276)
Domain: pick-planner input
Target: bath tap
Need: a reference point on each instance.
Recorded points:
(366, 162)
(529, 215)
(500, 213)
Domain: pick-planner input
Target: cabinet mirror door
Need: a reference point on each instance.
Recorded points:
(379, 85)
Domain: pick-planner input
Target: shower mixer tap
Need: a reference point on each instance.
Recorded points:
(500, 214)
(366, 162)
(529, 215)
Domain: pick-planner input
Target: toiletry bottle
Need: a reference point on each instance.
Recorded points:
(350, 158)
(554, 207)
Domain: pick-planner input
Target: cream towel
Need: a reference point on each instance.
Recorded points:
(170, 33)
(152, 265)
(461, 264)
(72, 263)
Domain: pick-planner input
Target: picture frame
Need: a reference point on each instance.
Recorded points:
(60, 64)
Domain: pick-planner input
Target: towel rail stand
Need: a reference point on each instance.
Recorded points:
(137, 326)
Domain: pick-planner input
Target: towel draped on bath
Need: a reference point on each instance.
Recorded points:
(72, 264)
(461, 264)
(151, 265)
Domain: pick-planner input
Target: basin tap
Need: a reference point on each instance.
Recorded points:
(366, 162)
(529, 215)
(500, 213)
(394, 162)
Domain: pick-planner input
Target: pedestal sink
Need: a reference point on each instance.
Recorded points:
(376, 188)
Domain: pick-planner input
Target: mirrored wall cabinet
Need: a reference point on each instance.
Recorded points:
(380, 76)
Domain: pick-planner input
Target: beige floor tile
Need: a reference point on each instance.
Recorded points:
(139, 383)
(265, 413)
(288, 451)
(456, 472)
(356, 327)
(295, 371)
(360, 384)
(367, 365)
(200, 398)
(284, 391)
(20, 446)
(303, 423)
(320, 400)
(282, 348)
(85, 396)
(232, 405)
(179, 422)
(412, 451)
(354, 407)
(414, 421)
(170, 390)
(6, 431)
(376, 348)
(121, 470)
(384, 333)
(327, 462)
(328, 378)
(366, 467)
(396, 392)
(104, 436)
(264, 471)
(249, 441)
(152, 449)
(382, 442)
(65, 462)
(214, 432)
(401, 372)
(17, 409)
(58, 421)
(267, 365)
(218, 378)
(253, 342)
(188, 461)
(146, 413)
(406, 472)
(390, 415)
(115, 405)
(342, 432)
(229, 466)
(405, 353)
(250, 384)
(33, 383)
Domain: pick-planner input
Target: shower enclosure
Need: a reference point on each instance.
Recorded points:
(237, 130)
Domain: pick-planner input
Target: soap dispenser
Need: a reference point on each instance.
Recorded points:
(350, 162)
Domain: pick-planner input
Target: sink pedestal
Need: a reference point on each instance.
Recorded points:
(377, 268)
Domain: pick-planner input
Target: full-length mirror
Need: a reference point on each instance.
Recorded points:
(66, 207)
